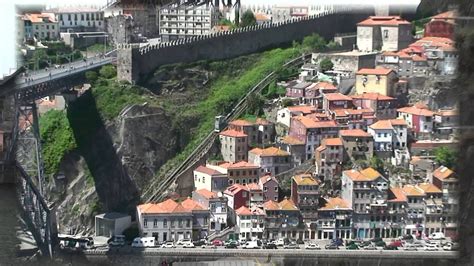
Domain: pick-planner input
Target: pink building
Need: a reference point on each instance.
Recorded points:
(269, 186)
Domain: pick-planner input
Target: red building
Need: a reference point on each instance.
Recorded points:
(441, 25)
(333, 101)
(237, 196)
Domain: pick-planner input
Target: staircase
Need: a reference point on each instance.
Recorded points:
(222, 234)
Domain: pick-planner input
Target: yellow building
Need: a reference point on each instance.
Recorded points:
(378, 80)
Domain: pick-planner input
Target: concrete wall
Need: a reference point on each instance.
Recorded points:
(135, 63)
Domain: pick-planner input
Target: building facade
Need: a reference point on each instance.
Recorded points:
(388, 33)
(216, 203)
(377, 80)
(271, 160)
(79, 19)
(234, 145)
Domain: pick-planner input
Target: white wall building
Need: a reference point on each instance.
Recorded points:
(79, 19)
(250, 222)
(42, 26)
(389, 134)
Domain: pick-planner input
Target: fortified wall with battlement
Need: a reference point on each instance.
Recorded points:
(135, 63)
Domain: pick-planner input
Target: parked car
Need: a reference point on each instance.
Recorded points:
(312, 246)
(370, 247)
(168, 245)
(200, 242)
(376, 239)
(352, 246)
(331, 246)
(242, 241)
(300, 241)
(217, 242)
(437, 236)
(117, 241)
(254, 244)
(396, 243)
(188, 245)
(291, 245)
(270, 245)
(410, 247)
(183, 241)
(365, 243)
(143, 242)
(390, 247)
(451, 246)
(231, 244)
(282, 241)
(337, 241)
(431, 247)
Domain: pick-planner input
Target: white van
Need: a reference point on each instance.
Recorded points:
(254, 244)
(143, 242)
(437, 236)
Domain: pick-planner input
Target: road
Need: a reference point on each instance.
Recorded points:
(36, 77)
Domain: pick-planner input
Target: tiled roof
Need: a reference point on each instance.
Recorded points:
(372, 96)
(435, 42)
(325, 85)
(262, 121)
(411, 190)
(284, 205)
(305, 180)
(353, 133)
(415, 111)
(266, 178)
(291, 140)
(332, 142)
(75, 9)
(453, 112)
(348, 112)
(271, 151)
(170, 206)
(309, 122)
(253, 186)
(207, 193)
(443, 173)
(305, 109)
(335, 204)
(243, 211)
(238, 165)
(374, 71)
(337, 97)
(240, 122)
(388, 124)
(396, 194)
(38, 18)
(429, 188)
(234, 189)
(321, 148)
(419, 58)
(368, 174)
(383, 21)
(208, 171)
(261, 17)
(233, 133)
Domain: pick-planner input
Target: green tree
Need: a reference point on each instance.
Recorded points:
(446, 156)
(313, 42)
(326, 64)
(108, 71)
(333, 45)
(248, 19)
(376, 163)
(255, 103)
(91, 76)
(287, 102)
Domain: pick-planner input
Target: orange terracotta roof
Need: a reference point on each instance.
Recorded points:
(332, 142)
(383, 21)
(388, 124)
(208, 171)
(412, 191)
(305, 109)
(419, 58)
(284, 205)
(348, 112)
(261, 17)
(240, 122)
(396, 194)
(325, 85)
(271, 151)
(271, 205)
(353, 133)
(336, 96)
(306, 180)
(38, 18)
(238, 165)
(262, 121)
(253, 186)
(207, 193)
(170, 206)
(243, 211)
(267, 178)
(291, 140)
(335, 204)
(368, 174)
(374, 71)
(307, 122)
(233, 133)
(429, 188)
(372, 96)
(234, 189)
(416, 111)
(443, 173)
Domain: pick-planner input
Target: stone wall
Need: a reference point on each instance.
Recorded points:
(135, 64)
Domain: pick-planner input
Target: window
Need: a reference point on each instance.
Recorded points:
(385, 33)
(165, 223)
(145, 223)
(155, 223)
(188, 222)
(276, 189)
(180, 223)
(204, 179)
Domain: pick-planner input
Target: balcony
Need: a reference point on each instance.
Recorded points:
(378, 203)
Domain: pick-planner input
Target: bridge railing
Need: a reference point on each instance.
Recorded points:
(157, 193)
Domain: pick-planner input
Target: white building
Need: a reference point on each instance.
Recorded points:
(172, 221)
(210, 179)
(284, 115)
(389, 134)
(79, 19)
(419, 119)
(250, 222)
(384, 33)
(186, 21)
(217, 205)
